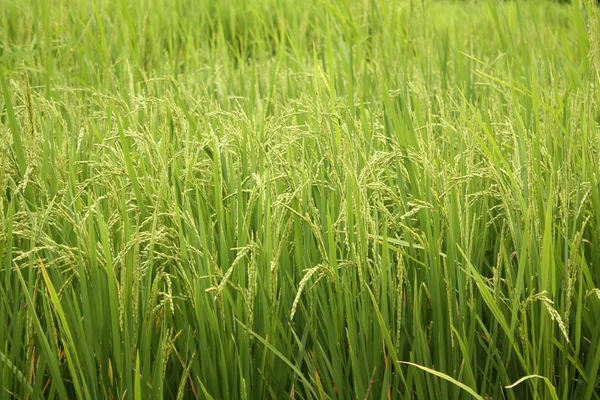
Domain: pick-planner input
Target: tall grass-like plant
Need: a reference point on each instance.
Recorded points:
(251, 199)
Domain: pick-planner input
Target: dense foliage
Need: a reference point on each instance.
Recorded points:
(248, 199)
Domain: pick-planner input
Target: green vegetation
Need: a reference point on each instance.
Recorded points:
(333, 199)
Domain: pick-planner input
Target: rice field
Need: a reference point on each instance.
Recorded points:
(294, 199)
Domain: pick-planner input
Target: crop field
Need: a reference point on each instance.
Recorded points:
(297, 199)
